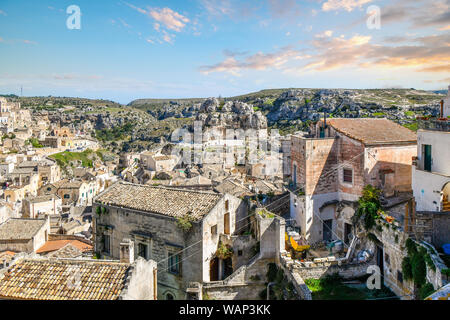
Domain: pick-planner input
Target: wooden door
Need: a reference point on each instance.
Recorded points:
(226, 223)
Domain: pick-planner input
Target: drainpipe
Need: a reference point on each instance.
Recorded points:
(268, 289)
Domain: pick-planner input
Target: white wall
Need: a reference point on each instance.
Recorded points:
(427, 187)
(440, 150)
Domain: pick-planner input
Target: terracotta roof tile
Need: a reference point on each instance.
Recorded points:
(54, 245)
(20, 229)
(60, 279)
(373, 131)
(161, 200)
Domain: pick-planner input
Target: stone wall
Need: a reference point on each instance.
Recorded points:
(346, 270)
(141, 281)
(246, 283)
(161, 235)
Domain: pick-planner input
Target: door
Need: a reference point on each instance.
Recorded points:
(226, 223)
(427, 157)
(347, 232)
(214, 269)
(327, 229)
(380, 262)
(228, 267)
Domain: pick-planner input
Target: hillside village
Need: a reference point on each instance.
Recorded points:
(287, 194)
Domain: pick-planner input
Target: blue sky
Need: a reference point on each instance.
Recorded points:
(198, 48)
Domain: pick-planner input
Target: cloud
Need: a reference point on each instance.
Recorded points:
(218, 7)
(126, 25)
(234, 9)
(1, 39)
(28, 42)
(425, 54)
(418, 14)
(3, 13)
(168, 37)
(347, 5)
(280, 9)
(257, 61)
(325, 34)
(171, 19)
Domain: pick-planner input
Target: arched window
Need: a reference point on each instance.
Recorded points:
(169, 296)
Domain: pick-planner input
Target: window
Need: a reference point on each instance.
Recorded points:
(67, 196)
(239, 253)
(174, 263)
(214, 230)
(106, 243)
(348, 175)
(227, 205)
(142, 250)
(169, 296)
(386, 259)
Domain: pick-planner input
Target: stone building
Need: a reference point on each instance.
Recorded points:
(76, 192)
(331, 166)
(45, 278)
(431, 183)
(431, 172)
(178, 228)
(157, 162)
(34, 206)
(23, 235)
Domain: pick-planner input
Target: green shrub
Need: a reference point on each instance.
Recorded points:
(426, 290)
(224, 251)
(184, 223)
(419, 269)
(368, 206)
(406, 268)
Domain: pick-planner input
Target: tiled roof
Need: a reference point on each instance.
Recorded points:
(233, 188)
(68, 251)
(163, 158)
(67, 184)
(64, 279)
(44, 198)
(161, 200)
(373, 131)
(20, 229)
(54, 245)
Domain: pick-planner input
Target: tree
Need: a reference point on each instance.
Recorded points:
(368, 206)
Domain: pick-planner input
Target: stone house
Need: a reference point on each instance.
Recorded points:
(5, 211)
(35, 206)
(48, 278)
(6, 167)
(431, 172)
(48, 170)
(23, 235)
(76, 192)
(158, 162)
(331, 166)
(156, 219)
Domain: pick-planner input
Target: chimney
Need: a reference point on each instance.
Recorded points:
(442, 109)
(127, 251)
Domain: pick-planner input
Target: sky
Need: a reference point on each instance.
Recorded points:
(125, 50)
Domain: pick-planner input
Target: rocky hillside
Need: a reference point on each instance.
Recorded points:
(145, 123)
(292, 109)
